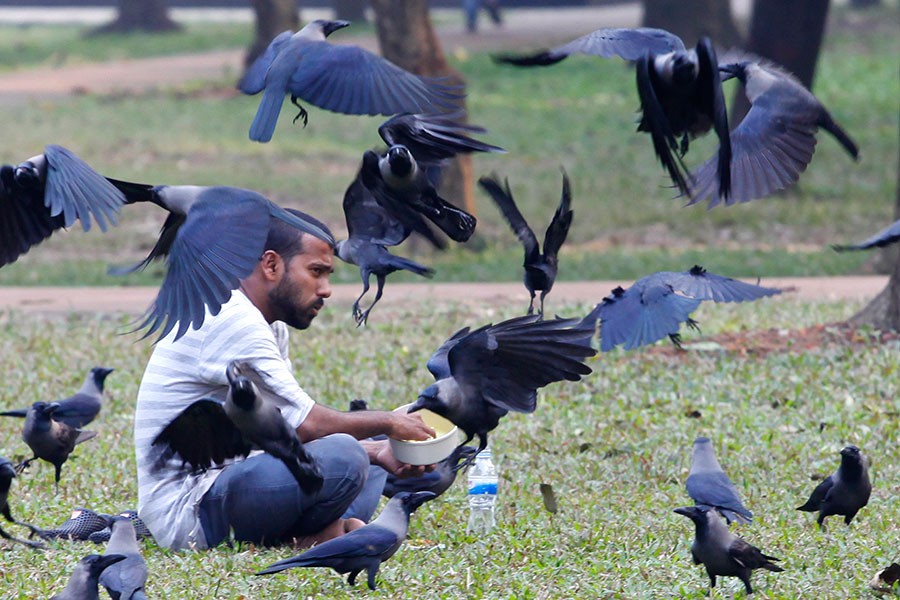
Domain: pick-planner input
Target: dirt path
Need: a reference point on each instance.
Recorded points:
(134, 300)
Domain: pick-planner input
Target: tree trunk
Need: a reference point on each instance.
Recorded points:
(140, 15)
(692, 19)
(407, 39)
(883, 312)
(788, 32)
(272, 17)
(350, 10)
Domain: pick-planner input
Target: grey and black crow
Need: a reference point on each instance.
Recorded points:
(7, 474)
(540, 266)
(362, 549)
(49, 439)
(655, 306)
(843, 492)
(436, 481)
(887, 236)
(48, 192)
(80, 409)
(208, 432)
(125, 579)
(343, 79)
(708, 484)
(720, 551)
(82, 584)
(680, 90)
(483, 374)
(774, 142)
(212, 238)
(369, 229)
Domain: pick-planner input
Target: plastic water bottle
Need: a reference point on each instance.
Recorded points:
(482, 480)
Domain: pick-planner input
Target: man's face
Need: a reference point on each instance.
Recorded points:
(300, 294)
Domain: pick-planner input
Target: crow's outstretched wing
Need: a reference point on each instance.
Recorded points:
(201, 435)
(629, 44)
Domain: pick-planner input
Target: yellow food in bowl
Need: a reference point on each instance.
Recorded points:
(440, 425)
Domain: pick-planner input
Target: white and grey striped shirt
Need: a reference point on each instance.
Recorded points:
(182, 372)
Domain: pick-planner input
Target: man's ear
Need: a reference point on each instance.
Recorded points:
(272, 265)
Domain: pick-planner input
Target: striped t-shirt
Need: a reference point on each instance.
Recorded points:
(182, 372)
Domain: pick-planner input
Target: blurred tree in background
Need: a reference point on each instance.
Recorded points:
(692, 19)
(140, 15)
(272, 17)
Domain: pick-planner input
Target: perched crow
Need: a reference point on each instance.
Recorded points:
(483, 374)
(885, 237)
(48, 192)
(437, 481)
(207, 432)
(707, 484)
(82, 408)
(212, 238)
(774, 142)
(49, 439)
(125, 579)
(7, 474)
(722, 552)
(843, 492)
(343, 79)
(83, 582)
(362, 549)
(540, 267)
(656, 305)
(680, 91)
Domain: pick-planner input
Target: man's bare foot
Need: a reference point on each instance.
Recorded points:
(334, 529)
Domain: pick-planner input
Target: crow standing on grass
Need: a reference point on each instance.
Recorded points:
(774, 142)
(81, 408)
(720, 551)
(680, 91)
(362, 549)
(82, 584)
(655, 306)
(7, 474)
(124, 580)
(540, 267)
(49, 439)
(483, 374)
(48, 192)
(343, 79)
(708, 484)
(207, 432)
(843, 492)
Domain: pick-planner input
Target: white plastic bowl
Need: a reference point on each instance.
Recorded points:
(427, 452)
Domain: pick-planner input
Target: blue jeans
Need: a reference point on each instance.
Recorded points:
(260, 500)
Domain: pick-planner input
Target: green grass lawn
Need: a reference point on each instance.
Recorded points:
(615, 448)
(578, 114)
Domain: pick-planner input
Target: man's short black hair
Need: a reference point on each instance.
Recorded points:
(287, 240)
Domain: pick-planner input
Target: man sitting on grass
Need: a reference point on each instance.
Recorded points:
(258, 498)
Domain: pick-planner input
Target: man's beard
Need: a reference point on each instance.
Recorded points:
(285, 308)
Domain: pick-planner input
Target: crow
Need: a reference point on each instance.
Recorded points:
(483, 374)
(437, 481)
(80, 409)
(362, 549)
(722, 552)
(7, 474)
(843, 492)
(208, 432)
(540, 268)
(82, 584)
(655, 306)
(343, 79)
(48, 192)
(680, 91)
(707, 484)
(212, 238)
(885, 237)
(774, 142)
(49, 439)
(125, 579)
